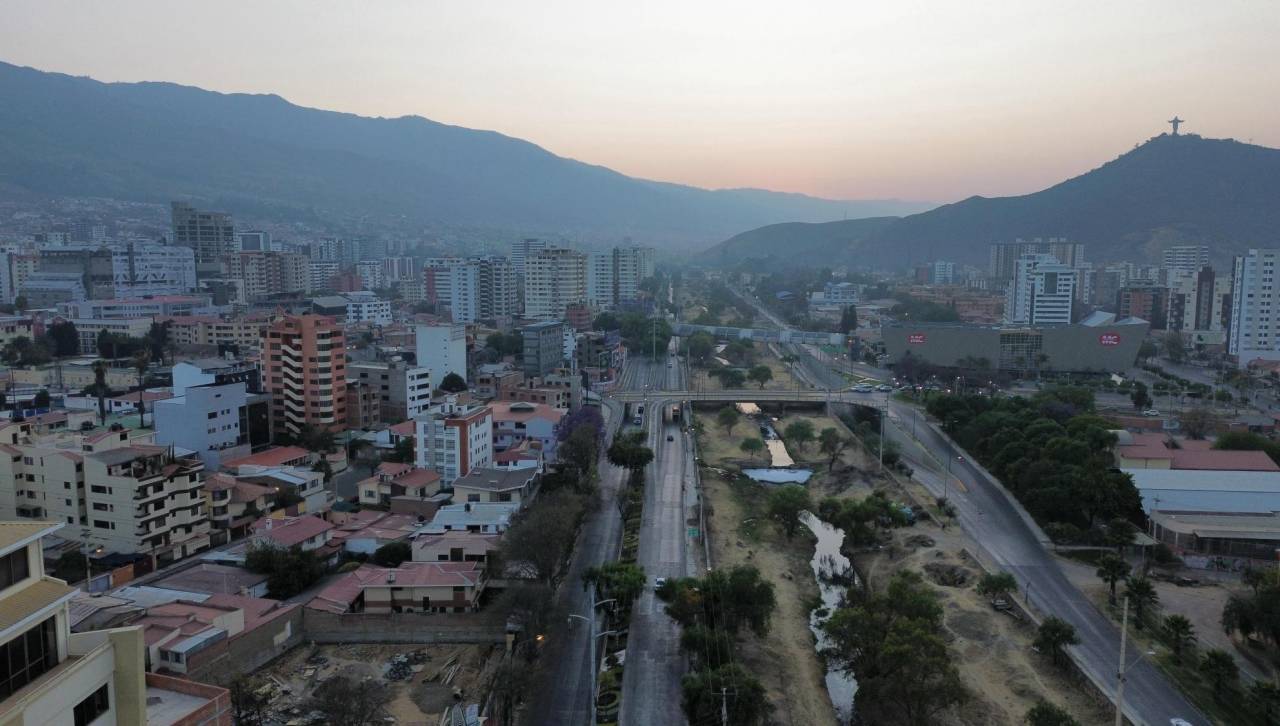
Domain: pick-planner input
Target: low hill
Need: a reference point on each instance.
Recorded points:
(795, 244)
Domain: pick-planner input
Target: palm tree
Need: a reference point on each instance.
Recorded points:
(141, 361)
(1054, 635)
(1112, 569)
(1143, 595)
(1180, 634)
(100, 388)
(1221, 670)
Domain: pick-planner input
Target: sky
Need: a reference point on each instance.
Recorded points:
(856, 100)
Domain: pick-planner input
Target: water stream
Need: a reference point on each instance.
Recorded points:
(833, 572)
(776, 475)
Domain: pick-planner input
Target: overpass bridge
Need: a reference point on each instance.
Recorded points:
(760, 335)
(815, 395)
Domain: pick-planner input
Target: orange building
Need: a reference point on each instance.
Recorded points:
(304, 358)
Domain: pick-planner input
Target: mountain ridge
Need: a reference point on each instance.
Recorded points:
(152, 141)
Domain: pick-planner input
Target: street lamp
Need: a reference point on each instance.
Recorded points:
(595, 670)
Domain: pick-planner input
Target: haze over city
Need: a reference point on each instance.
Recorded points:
(916, 101)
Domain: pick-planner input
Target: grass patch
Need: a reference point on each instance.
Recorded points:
(1088, 557)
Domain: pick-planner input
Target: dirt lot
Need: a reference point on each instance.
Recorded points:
(419, 696)
(996, 661)
(782, 377)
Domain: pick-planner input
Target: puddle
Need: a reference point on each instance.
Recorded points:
(779, 476)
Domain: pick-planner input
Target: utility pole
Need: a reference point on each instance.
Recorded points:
(1124, 626)
(724, 707)
(883, 412)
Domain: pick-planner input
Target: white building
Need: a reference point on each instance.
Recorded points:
(614, 277)
(554, 278)
(454, 438)
(1187, 259)
(477, 288)
(1041, 292)
(942, 273)
(366, 307)
(148, 268)
(524, 249)
(1255, 324)
(442, 349)
(372, 275)
(320, 275)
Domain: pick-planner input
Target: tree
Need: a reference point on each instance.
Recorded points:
(1257, 613)
(578, 455)
(542, 536)
(1264, 701)
(158, 340)
(248, 706)
(786, 504)
(41, 399)
(1198, 422)
(1053, 636)
(1220, 668)
(392, 554)
(402, 453)
(348, 702)
(832, 443)
(1048, 714)
(1142, 595)
(606, 321)
(997, 584)
(630, 453)
(848, 319)
(70, 566)
(1179, 634)
(1120, 534)
(453, 383)
(530, 606)
(20, 304)
(699, 347)
(141, 361)
(100, 389)
(799, 433)
(760, 374)
(1147, 350)
(289, 571)
(64, 340)
(751, 446)
(1112, 568)
(622, 581)
(730, 378)
(704, 701)
(708, 647)
(1141, 399)
(728, 417)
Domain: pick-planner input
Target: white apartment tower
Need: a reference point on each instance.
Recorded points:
(1186, 259)
(1255, 326)
(1041, 291)
(554, 278)
(442, 349)
(614, 277)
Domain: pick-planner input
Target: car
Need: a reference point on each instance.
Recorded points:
(1151, 412)
(670, 437)
(862, 388)
(658, 582)
(884, 388)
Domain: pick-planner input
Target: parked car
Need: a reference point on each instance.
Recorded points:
(862, 388)
(1151, 412)
(884, 388)
(658, 582)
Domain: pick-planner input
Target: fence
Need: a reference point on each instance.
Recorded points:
(423, 628)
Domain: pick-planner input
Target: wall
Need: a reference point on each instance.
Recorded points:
(249, 650)
(325, 627)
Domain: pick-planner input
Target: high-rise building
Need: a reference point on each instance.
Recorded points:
(401, 391)
(254, 241)
(524, 249)
(399, 269)
(320, 275)
(305, 369)
(371, 274)
(1186, 259)
(1200, 301)
(210, 234)
(614, 277)
(543, 347)
(1144, 300)
(477, 288)
(1005, 255)
(217, 410)
(442, 349)
(1041, 292)
(554, 278)
(454, 438)
(267, 274)
(1255, 324)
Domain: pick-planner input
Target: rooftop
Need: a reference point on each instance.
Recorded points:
(291, 531)
(495, 480)
(275, 456)
(32, 598)
(1221, 525)
(524, 411)
(339, 594)
(212, 579)
(18, 534)
(1192, 454)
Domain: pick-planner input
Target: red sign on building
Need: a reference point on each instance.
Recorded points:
(1109, 339)
(915, 338)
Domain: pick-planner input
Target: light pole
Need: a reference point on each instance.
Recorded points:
(591, 652)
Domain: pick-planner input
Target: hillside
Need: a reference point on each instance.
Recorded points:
(1169, 190)
(795, 244)
(68, 136)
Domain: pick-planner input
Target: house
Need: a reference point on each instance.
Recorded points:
(486, 517)
(275, 456)
(495, 485)
(307, 532)
(422, 587)
(525, 455)
(398, 480)
(517, 421)
(185, 637)
(216, 580)
(455, 546)
(233, 505)
(1159, 451)
(361, 535)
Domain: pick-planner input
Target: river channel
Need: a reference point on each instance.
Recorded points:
(833, 573)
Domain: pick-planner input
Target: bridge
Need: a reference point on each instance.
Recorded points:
(764, 336)
(815, 395)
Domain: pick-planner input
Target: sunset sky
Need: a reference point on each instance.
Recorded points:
(929, 101)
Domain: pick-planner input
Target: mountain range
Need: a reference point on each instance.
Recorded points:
(65, 136)
(1182, 189)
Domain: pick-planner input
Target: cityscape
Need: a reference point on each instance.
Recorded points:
(336, 417)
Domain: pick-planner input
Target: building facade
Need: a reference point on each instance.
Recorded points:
(305, 372)
(1041, 292)
(554, 278)
(454, 438)
(442, 349)
(1255, 321)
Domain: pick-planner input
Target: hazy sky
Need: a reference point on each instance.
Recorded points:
(849, 99)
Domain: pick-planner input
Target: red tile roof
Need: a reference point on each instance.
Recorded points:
(290, 532)
(275, 456)
(339, 595)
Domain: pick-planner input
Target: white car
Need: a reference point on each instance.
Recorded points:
(862, 388)
(884, 388)
(1151, 412)
(658, 582)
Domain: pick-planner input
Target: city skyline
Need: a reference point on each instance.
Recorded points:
(934, 103)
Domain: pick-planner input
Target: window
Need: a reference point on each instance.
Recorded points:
(28, 656)
(98, 703)
(14, 568)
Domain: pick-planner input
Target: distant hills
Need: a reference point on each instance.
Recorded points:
(1170, 190)
(67, 136)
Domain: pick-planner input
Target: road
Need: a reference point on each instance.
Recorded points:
(986, 514)
(654, 666)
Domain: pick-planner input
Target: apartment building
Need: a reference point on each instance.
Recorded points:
(522, 250)
(1200, 301)
(442, 349)
(1149, 302)
(305, 367)
(15, 326)
(320, 275)
(371, 273)
(268, 274)
(217, 410)
(543, 347)
(453, 438)
(88, 329)
(243, 332)
(1005, 255)
(403, 391)
(1185, 259)
(554, 278)
(49, 675)
(138, 307)
(210, 234)
(614, 277)
(1255, 317)
(518, 421)
(1041, 292)
(354, 307)
(254, 241)
(477, 288)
